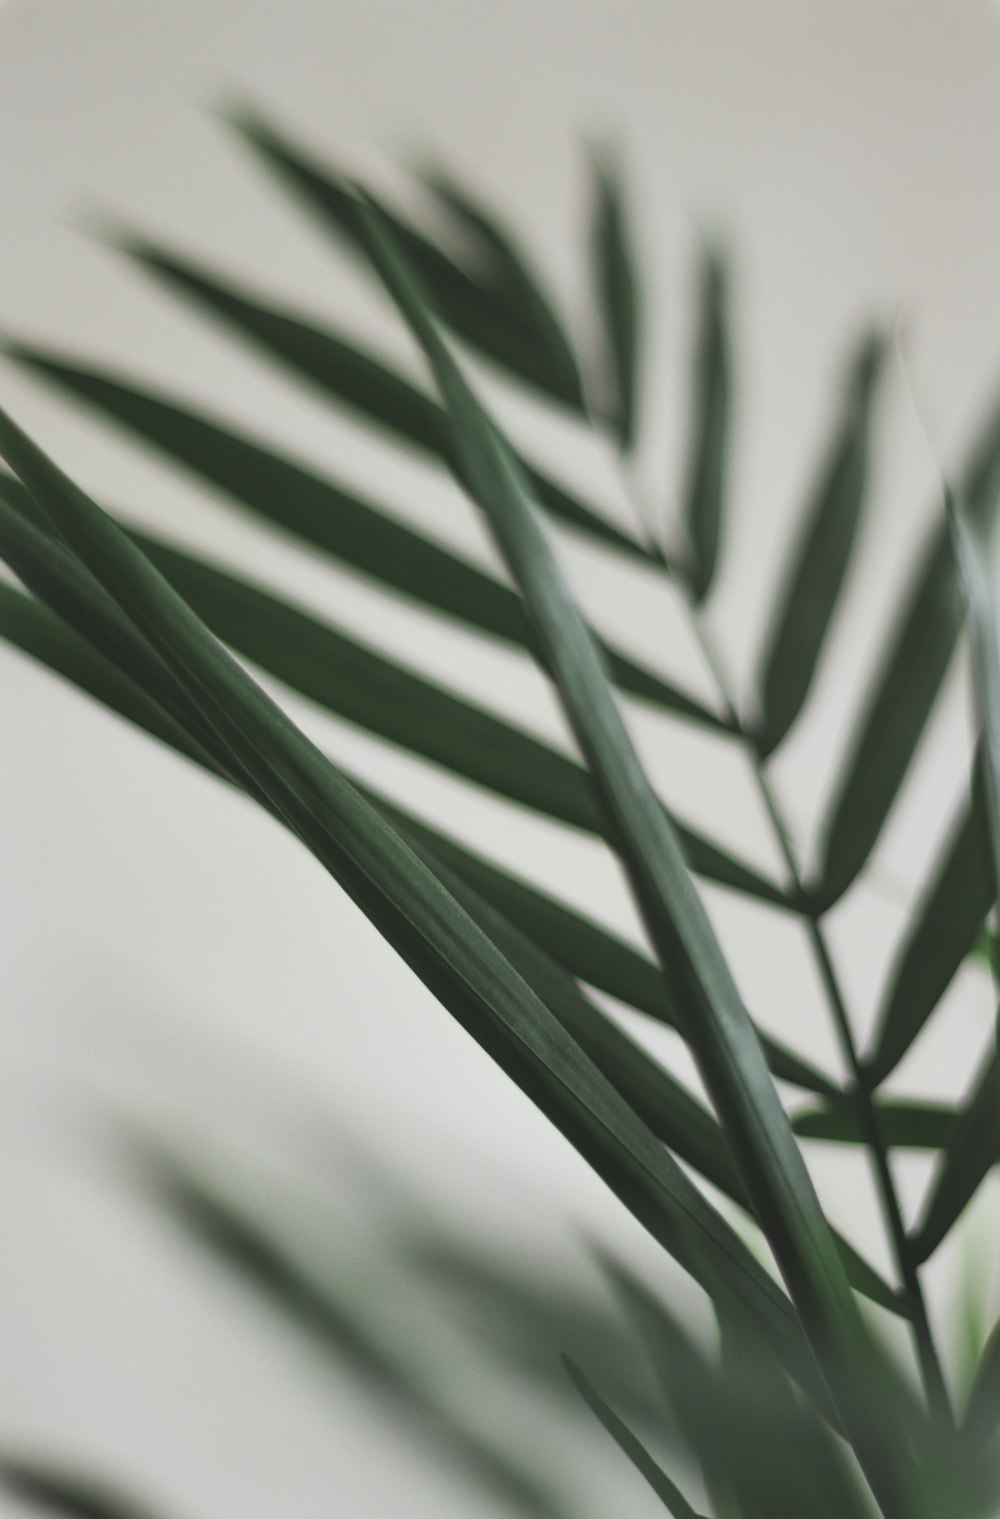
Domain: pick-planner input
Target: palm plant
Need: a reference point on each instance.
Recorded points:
(798, 1404)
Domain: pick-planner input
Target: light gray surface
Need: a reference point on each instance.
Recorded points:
(165, 948)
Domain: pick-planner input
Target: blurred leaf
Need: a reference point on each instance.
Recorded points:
(502, 267)
(616, 284)
(59, 1489)
(631, 1446)
(583, 946)
(408, 905)
(974, 1148)
(235, 1234)
(352, 377)
(321, 513)
(707, 464)
(761, 1452)
(817, 567)
(904, 1125)
(480, 312)
(357, 683)
(942, 932)
(982, 1415)
(917, 654)
(717, 1026)
(974, 572)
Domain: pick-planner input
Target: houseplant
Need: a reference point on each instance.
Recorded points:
(135, 621)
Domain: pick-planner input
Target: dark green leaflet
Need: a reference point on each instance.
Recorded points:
(905, 687)
(481, 314)
(977, 590)
(720, 1032)
(943, 931)
(413, 911)
(617, 295)
(58, 1489)
(982, 1415)
(363, 383)
(817, 566)
(360, 685)
(904, 1125)
(582, 946)
(631, 1446)
(739, 1418)
(705, 488)
(320, 512)
(500, 265)
(973, 1149)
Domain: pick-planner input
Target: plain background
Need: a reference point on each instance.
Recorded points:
(168, 955)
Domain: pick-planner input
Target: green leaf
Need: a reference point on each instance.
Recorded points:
(360, 685)
(411, 908)
(351, 377)
(704, 497)
(580, 945)
(716, 1024)
(942, 933)
(818, 564)
(973, 1150)
(323, 514)
(982, 1414)
(61, 1489)
(758, 1447)
(973, 566)
(903, 1125)
(334, 1320)
(479, 311)
(631, 1446)
(500, 266)
(616, 284)
(902, 694)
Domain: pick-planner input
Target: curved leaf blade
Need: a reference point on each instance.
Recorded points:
(903, 1125)
(480, 312)
(618, 299)
(818, 563)
(322, 513)
(413, 910)
(705, 489)
(905, 687)
(501, 267)
(630, 1445)
(944, 929)
(973, 1150)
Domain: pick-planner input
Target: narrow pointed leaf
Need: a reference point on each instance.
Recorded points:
(818, 564)
(716, 1024)
(943, 931)
(152, 700)
(322, 513)
(360, 685)
(616, 284)
(500, 266)
(631, 1446)
(704, 498)
(977, 591)
(902, 694)
(413, 911)
(52, 1487)
(972, 1152)
(477, 311)
(903, 1125)
(982, 1414)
